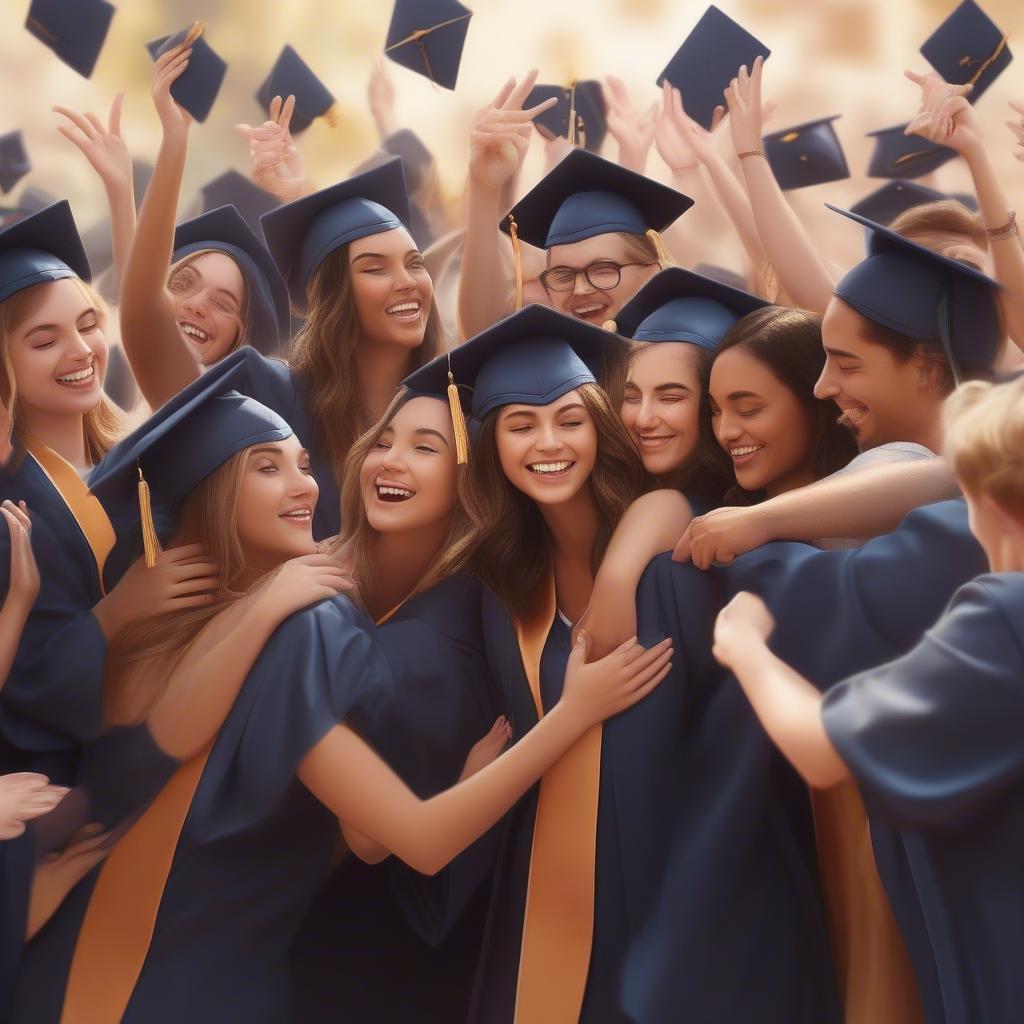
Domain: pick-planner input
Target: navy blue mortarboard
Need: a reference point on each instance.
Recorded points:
(809, 154)
(722, 274)
(41, 247)
(225, 230)
(708, 61)
(885, 204)
(679, 305)
(924, 295)
(234, 189)
(416, 158)
(905, 156)
(302, 234)
(427, 36)
(14, 161)
(968, 48)
(200, 82)
(180, 445)
(585, 101)
(586, 195)
(74, 31)
(292, 76)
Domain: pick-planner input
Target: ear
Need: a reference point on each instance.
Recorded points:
(932, 369)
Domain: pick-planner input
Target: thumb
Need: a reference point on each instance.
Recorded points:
(245, 130)
(580, 649)
(682, 550)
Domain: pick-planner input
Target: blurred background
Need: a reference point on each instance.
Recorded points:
(828, 57)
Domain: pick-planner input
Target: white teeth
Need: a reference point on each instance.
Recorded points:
(592, 308)
(297, 513)
(404, 307)
(747, 449)
(854, 415)
(549, 467)
(69, 378)
(194, 332)
(399, 492)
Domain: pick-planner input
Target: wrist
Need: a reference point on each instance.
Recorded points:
(18, 606)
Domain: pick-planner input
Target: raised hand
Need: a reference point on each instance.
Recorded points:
(632, 130)
(103, 147)
(24, 586)
(23, 797)
(275, 162)
(500, 135)
(169, 67)
(486, 749)
(945, 117)
(1017, 127)
(746, 116)
(380, 93)
(682, 143)
(743, 623)
(303, 581)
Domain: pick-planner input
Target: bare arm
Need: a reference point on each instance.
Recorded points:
(786, 704)
(344, 773)
(160, 359)
(23, 586)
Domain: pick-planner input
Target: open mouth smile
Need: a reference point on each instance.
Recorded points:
(301, 516)
(551, 470)
(193, 332)
(79, 379)
(407, 311)
(743, 453)
(392, 492)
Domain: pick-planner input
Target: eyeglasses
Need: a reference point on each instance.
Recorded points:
(602, 275)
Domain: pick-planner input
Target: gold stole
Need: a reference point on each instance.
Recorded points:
(875, 975)
(558, 927)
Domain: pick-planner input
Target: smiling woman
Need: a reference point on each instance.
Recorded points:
(209, 296)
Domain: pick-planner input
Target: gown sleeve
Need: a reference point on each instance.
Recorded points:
(934, 735)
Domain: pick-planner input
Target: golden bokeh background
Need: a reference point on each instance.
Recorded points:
(828, 56)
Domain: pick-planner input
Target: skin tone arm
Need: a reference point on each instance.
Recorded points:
(344, 773)
(788, 706)
(107, 153)
(631, 129)
(159, 358)
(275, 162)
(23, 588)
(800, 269)
(867, 503)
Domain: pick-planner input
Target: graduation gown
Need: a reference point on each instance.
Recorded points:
(249, 849)
(933, 740)
(383, 943)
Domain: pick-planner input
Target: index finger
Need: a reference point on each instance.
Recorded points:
(284, 118)
(185, 551)
(504, 92)
(914, 77)
(77, 119)
(532, 112)
(518, 95)
(275, 108)
(681, 552)
(114, 118)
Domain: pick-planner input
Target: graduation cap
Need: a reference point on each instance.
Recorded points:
(722, 274)
(427, 36)
(43, 246)
(302, 234)
(968, 48)
(234, 189)
(924, 295)
(585, 196)
(224, 229)
(905, 157)
(198, 85)
(679, 305)
(580, 115)
(292, 76)
(14, 161)
(885, 204)
(75, 31)
(161, 462)
(809, 154)
(708, 61)
(416, 158)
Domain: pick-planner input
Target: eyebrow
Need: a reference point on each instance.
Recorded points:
(382, 256)
(673, 387)
(435, 433)
(735, 396)
(269, 449)
(840, 353)
(56, 327)
(570, 407)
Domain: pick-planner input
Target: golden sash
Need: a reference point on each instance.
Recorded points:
(875, 976)
(558, 926)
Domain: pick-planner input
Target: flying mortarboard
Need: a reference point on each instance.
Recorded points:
(905, 157)
(427, 36)
(885, 204)
(234, 189)
(197, 87)
(43, 246)
(679, 305)
(225, 230)
(968, 48)
(75, 31)
(708, 61)
(924, 295)
(302, 234)
(292, 76)
(579, 115)
(14, 161)
(809, 154)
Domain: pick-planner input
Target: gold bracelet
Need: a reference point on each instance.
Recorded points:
(1008, 230)
(751, 152)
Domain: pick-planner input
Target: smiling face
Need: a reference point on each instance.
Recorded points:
(208, 295)
(880, 398)
(276, 500)
(583, 300)
(661, 405)
(761, 424)
(391, 288)
(547, 451)
(407, 480)
(58, 352)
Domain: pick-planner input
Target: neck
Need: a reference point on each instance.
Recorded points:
(572, 527)
(380, 367)
(799, 477)
(398, 562)
(64, 433)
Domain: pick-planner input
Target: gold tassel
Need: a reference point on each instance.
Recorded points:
(572, 114)
(458, 420)
(664, 259)
(150, 541)
(517, 254)
(331, 116)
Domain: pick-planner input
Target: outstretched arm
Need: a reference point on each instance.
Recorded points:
(23, 588)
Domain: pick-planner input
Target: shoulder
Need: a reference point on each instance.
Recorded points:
(884, 454)
(989, 605)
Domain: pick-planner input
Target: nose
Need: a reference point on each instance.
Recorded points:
(303, 485)
(393, 460)
(826, 387)
(195, 306)
(727, 428)
(77, 347)
(404, 279)
(549, 440)
(581, 286)
(646, 416)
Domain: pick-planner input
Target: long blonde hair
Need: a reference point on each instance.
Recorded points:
(102, 424)
(245, 332)
(323, 352)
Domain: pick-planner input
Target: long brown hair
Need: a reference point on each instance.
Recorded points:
(323, 352)
(508, 548)
(354, 539)
(245, 332)
(102, 424)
